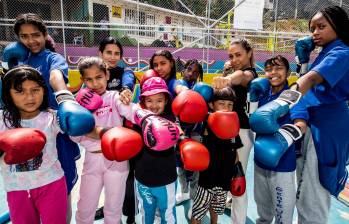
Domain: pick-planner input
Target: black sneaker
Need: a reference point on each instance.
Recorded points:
(99, 213)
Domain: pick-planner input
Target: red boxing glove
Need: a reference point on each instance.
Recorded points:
(238, 182)
(194, 155)
(21, 144)
(146, 75)
(120, 144)
(190, 107)
(224, 124)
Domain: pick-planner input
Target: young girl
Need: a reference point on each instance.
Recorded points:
(215, 181)
(325, 93)
(155, 172)
(34, 185)
(121, 79)
(275, 186)
(97, 169)
(188, 180)
(242, 64)
(32, 33)
(164, 64)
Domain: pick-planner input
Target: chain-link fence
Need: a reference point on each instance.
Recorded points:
(200, 29)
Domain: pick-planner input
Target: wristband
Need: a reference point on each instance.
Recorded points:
(292, 130)
(63, 96)
(290, 96)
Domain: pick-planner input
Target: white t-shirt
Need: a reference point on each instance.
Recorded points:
(43, 169)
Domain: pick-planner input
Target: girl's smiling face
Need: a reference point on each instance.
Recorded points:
(156, 103)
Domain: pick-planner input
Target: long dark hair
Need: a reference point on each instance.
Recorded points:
(35, 20)
(110, 40)
(168, 56)
(338, 19)
(14, 78)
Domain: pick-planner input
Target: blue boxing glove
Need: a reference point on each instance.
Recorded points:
(268, 149)
(74, 119)
(264, 119)
(13, 54)
(182, 83)
(205, 90)
(258, 88)
(128, 79)
(303, 47)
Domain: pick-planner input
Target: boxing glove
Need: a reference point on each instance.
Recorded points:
(264, 119)
(205, 90)
(120, 143)
(74, 119)
(190, 107)
(21, 144)
(268, 149)
(194, 155)
(158, 133)
(13, 54)
(89, 99)
(258, 88)
(182, 83)
(148, 74)
(238, 182)
(224, 124)
(303, 47)
(128, 79)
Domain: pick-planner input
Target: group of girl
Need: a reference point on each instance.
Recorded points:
(29, 101)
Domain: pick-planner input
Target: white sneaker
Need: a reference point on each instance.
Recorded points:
(181, 197)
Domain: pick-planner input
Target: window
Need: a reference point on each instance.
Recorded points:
(144, 19)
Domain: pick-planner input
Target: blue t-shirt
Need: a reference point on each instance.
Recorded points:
(287, 162)
(333, 65)
(46, 61)
(329, 115)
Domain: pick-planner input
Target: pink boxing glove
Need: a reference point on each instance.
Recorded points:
(89, 99)
(158, 133)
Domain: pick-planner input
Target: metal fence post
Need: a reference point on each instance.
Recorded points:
(63, 31)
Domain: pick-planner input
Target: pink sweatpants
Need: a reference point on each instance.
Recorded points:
(96, 173)
(47, 204)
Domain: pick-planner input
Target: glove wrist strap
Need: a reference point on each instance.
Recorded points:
(239, 171)
(292, 131)
(63, 96)
(143, 114)
(290, 96)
